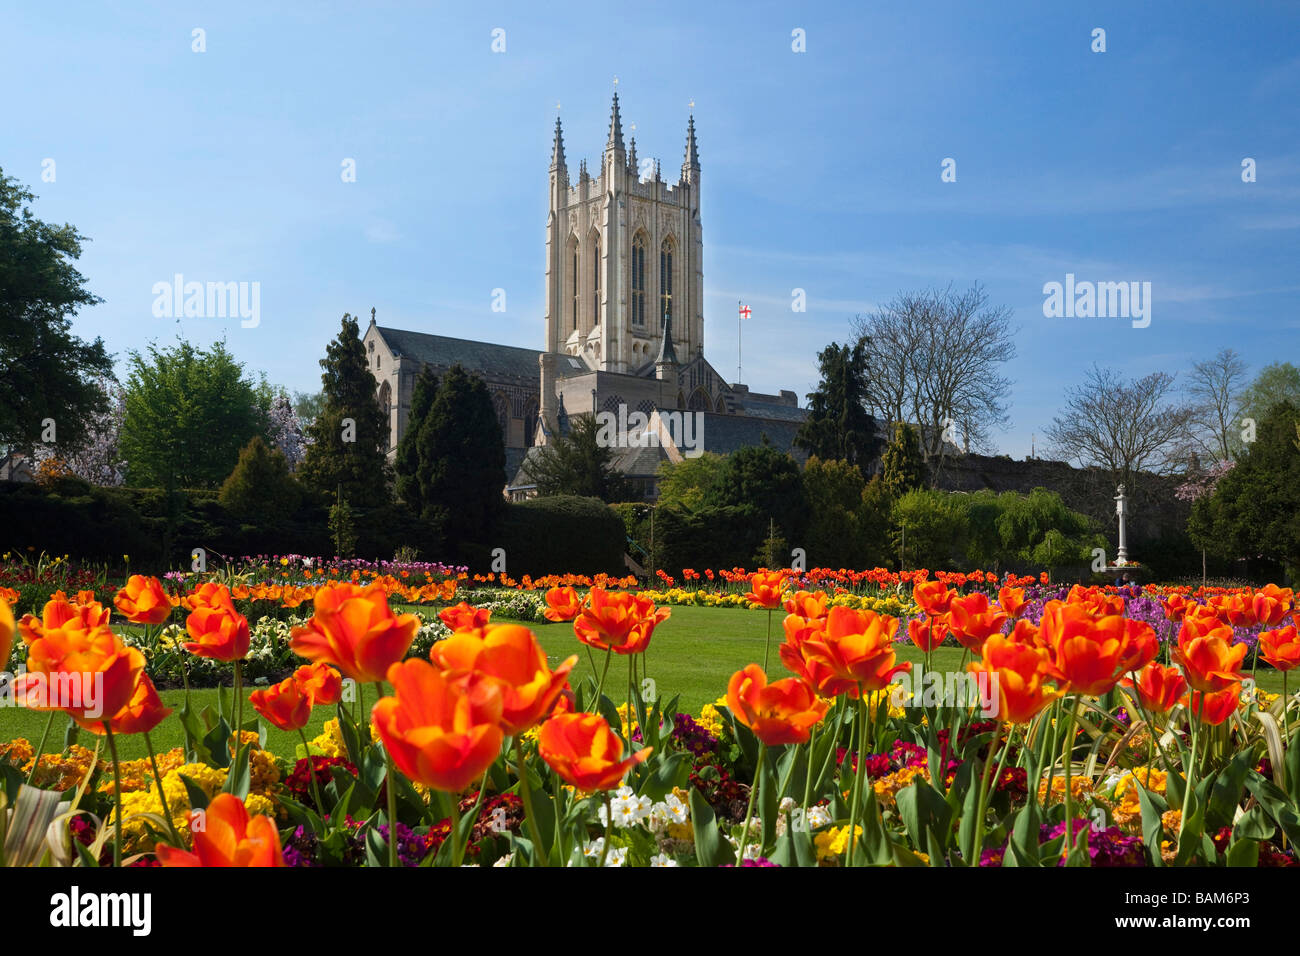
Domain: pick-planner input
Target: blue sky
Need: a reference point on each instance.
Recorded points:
(821, 169)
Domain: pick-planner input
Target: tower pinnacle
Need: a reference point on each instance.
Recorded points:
(557, 151)
(615, 141)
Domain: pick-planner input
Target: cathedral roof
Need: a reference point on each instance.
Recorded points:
(487, 358)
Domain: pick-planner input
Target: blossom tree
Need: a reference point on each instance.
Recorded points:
(286, 431)
(97, 458)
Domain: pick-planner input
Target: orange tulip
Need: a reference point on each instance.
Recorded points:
(1237, 609)
(86, 674)
(84, 615)
(1012, 600)
(10, 596)
(442, 731)
(286, 705)
(6, 633)
(1215, 707)
(782, 712)
(619, 621)
(464, 617)
(1175, 606)
(972, 619)
(562, 604)
(766, 589)
(1211, 663)
(1271, 604)
(1015, 669)
(143, 600)
(1026, 632)
(510, 655)
(208, 594)
(323, 683)
(933, 597)
(1281, 647)
(583, 750)
(354, 630)
(1096, 600)
(142, 713)
(809, 604)
(816, 672)
(1140, 645)
(1086, 649)
(927, 633)
(1158, 688)
(229, 837)
(219, 632)
(858, 646)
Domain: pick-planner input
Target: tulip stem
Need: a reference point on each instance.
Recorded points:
(1191, 767)
(982, 805)
(1067, 755)
(525, 794)
(767, 648)
(162, 796)
(749, 813)
(40, 748)
(600, 688)
(239, 706)
(808, 774)
(117, 796)
(311, 774)
(857, 777)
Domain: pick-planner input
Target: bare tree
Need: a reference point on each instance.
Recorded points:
(1124, 427)
(934, 359)
(1214, 388)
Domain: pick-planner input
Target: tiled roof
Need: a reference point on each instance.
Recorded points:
(493, 361)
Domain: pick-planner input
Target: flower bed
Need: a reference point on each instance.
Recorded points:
(1084, 727)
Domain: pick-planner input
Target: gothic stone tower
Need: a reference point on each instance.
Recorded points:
(623, 249)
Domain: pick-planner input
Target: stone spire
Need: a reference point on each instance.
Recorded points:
(631, 156)
(690, 163)
(557, 151)
(667, 354)
(615, 141)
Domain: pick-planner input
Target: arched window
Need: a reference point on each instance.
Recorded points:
(594, 244)
(501, 405)
(700, 401)
(638, 280)
(665, 280)
(573, 283)
(386, 399)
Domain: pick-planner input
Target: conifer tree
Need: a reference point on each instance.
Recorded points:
(347, 454)
(407, 462)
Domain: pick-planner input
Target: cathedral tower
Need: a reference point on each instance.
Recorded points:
(623, 249)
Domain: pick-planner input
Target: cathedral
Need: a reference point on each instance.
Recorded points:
(624, 327)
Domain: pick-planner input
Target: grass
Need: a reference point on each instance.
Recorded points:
(692, 655)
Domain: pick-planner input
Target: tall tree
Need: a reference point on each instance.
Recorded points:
(260, 489)
(902, 463)
(98, 458)
(407, 461)
(347, 456)
(838, 426)
(687, 483)
(188, 413)
(766, 482)
(1254, 510)
(935, 359)
(579, 463)
(462, 466)
(1214, 388)
(48, 373)
(1275, 383)
(1122, 426)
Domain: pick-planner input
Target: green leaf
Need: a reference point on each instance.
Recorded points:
(922, 808)
(217, 742)
(1253, 825)
(1153, 806)
(196, 750)
(1078, 855)
(710, 849)
(198, 796)
(1022, 847)
(1226, 791)
(1243, 853)
(238, 779)
(1278, 805)
(25, 836)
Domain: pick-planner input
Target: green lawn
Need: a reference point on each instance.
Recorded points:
(692, 654)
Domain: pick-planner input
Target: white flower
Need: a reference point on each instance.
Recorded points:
(817, 817)
(616, 856)
(595, 846)
(661, 859)
(505, 860)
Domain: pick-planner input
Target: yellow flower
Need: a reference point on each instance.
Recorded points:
(832, 843)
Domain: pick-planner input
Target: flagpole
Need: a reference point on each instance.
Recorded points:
(739, 319)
